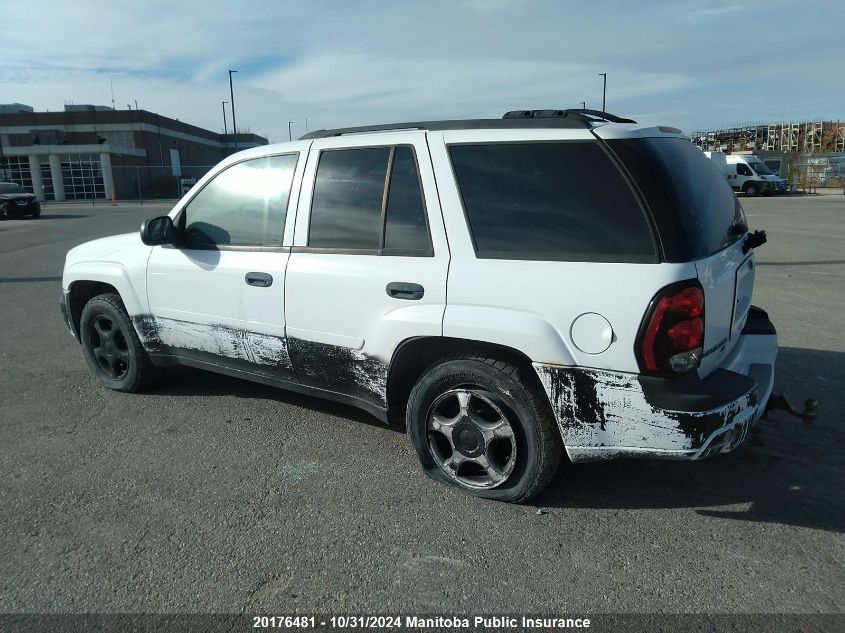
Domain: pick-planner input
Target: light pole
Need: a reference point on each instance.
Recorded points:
(290, 136)
(583, 105)
(232, 97)
(225, 130)
(604, 93)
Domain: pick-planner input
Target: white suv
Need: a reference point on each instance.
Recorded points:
(512, 288)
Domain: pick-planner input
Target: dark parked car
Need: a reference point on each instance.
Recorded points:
(15, 202)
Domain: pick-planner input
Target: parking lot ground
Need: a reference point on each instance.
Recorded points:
(210, 494)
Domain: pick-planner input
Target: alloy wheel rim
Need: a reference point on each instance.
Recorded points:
(471, 439)
(111, 351)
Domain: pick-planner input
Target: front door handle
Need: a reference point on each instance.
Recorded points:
(259, 280)
(404, 290)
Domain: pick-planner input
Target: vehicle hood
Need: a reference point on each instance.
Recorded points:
(117, 248)
(17, 196)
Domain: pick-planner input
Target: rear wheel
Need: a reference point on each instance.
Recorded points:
(111, 345)
(481, 425)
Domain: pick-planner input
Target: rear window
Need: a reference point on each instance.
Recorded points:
(683, 187)
(563, 201)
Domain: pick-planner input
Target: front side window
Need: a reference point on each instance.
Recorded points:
(244, 205)
(555, 201)
(742, 169)
(369, 199)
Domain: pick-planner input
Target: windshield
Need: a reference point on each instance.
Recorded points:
(761, 168)
(10, 187)
(681, 184)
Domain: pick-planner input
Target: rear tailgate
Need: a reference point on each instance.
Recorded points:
(728, 281)
(699, 219)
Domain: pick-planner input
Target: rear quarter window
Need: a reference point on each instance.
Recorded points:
(555, 201)
(696, 211)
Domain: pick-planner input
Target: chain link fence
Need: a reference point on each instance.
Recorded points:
(811, 172)
(155, 183)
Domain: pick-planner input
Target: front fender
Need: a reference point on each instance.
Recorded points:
(131, 285)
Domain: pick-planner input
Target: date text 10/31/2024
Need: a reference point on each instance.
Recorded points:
(418, 622)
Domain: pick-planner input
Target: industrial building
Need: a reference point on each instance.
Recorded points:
(86, 152)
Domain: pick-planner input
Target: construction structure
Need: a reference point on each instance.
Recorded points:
(809, 137)
(807, 153)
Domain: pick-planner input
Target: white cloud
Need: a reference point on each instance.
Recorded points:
(342, 63)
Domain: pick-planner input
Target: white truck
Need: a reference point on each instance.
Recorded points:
(514, 290)
(748, 173)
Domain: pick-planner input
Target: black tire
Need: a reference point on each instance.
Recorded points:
(750, 190)
(512, 391)
(111, 345)
(36, 214)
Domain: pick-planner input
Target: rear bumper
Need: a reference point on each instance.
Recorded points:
(604, 415)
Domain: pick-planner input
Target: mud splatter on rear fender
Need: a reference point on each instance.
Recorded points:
(603, 414)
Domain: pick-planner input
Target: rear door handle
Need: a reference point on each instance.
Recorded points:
(259, 280)
(404, 290)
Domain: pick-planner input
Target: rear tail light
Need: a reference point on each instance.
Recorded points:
(672, 334)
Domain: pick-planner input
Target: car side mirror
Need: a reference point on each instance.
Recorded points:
(156, 231)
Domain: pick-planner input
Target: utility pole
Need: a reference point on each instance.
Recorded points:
(232, 97)
(604, 93)
(225, 130)
(290, 136)
(583, 105)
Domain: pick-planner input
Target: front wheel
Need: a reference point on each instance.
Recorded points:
(111, 345)
(751, 190)
(483, 426)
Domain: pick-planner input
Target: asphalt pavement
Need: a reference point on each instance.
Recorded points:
(211, 494)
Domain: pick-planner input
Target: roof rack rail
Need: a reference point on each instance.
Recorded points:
(574, 119)
(590, 115)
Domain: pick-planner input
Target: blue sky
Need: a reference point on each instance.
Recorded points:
(692, 64)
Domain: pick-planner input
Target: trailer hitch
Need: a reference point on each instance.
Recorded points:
(780, 401)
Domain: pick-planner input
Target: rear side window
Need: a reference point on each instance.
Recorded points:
(348, 198)
(369, 199)
(405, 224)
(689, 196)
(244, 205)
(563, 201)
